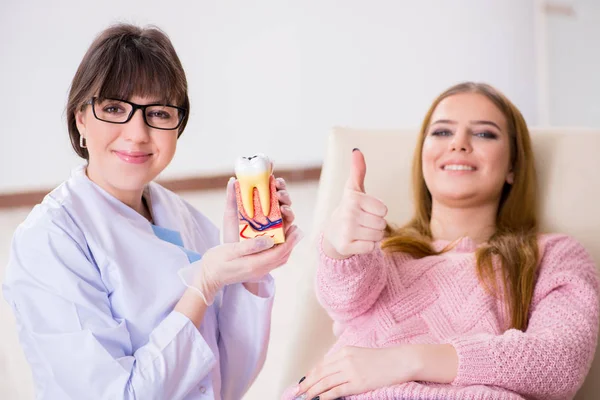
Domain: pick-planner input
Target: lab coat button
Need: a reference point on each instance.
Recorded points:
(202, 389)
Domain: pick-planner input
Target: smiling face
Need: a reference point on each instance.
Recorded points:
(123, 158)
(466, 151)
(134, 64)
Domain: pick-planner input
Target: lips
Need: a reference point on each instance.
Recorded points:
(254, 172)
(133, 157)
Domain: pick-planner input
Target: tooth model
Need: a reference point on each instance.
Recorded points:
(255, 191)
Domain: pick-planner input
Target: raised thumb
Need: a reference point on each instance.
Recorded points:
(358, 171)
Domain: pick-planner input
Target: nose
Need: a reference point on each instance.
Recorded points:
(461, 141)
(136, 129)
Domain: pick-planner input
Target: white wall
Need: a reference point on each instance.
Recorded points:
(573, 62)
(269, 75)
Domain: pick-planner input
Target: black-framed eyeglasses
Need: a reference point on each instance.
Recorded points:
(117, 111)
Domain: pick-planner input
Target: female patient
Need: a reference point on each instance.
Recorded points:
(468, 300)
(93, 274)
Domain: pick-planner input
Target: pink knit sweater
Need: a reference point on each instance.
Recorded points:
(377, 300)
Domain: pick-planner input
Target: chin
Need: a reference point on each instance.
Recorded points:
(457, 198)
(457, 190)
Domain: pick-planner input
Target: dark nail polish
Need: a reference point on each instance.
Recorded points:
(302, 380)
(354, 149)
(316, 398)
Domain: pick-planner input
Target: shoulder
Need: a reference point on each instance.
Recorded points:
(51, 229)
(49, 218)
(47, 245)
(563, 255)
(554, 247)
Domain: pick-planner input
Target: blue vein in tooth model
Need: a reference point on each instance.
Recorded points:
(257, 226)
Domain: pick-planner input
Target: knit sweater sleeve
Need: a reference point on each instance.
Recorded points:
(552, 357)
(350, 287)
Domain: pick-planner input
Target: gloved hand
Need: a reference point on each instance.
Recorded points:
(235, 261)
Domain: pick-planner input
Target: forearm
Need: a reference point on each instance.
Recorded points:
(434, 362)
(347, 288)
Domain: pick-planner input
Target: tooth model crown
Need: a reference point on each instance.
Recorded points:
(254, 172)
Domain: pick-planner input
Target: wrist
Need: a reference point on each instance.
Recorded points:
(410, 360)
(205, 287)
(330, 251)
(252, 287)
(434, 363)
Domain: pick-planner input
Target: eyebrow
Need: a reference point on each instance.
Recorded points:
(475, 122)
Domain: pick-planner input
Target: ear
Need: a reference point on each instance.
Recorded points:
(510, 178)
(80, 120)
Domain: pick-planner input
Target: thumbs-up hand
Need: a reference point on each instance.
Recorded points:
(358, 223)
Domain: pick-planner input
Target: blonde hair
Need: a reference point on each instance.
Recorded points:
(515, 239)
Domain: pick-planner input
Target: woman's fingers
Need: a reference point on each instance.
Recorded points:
(372, 205)
(284, 197)
(263, 262)
(371, 221)
(280, 184)
(367, 234)
(324, 377)
(288, 217)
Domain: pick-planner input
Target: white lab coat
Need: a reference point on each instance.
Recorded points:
(93, 289)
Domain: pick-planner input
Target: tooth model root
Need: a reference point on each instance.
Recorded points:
(247, 185)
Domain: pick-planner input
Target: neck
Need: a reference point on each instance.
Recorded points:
(131, 198)
(451, 223)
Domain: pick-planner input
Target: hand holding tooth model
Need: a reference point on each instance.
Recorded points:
(257, 202)
(257, 211)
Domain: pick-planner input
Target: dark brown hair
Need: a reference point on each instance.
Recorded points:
(126, 60)
(515, 240)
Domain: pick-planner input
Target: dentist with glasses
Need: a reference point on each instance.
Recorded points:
(120, 288)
